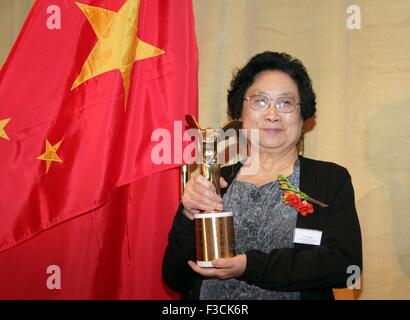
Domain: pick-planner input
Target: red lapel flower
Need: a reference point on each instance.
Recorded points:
(296, 198)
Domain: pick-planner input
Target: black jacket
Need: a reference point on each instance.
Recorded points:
(313, 270)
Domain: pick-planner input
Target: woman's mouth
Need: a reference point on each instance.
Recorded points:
(271, 130)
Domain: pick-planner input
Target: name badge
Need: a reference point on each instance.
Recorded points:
(307, 236)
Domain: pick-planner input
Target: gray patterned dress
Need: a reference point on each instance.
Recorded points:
(262, 222)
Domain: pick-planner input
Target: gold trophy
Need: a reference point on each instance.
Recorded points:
(214, 231)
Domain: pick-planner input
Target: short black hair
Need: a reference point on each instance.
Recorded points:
(269, 60)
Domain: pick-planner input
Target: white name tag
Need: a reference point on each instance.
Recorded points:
(307, 236)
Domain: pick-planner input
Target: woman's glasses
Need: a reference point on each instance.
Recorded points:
(259, 102)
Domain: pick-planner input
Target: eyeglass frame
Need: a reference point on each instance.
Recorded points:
(248, 99)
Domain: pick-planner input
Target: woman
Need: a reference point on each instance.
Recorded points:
(278, 254)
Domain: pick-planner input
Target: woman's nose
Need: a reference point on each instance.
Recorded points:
(272, 112)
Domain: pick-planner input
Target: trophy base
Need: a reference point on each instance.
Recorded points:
(205, 264)
(214, 237)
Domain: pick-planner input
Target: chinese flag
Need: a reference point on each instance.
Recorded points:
(84, 209)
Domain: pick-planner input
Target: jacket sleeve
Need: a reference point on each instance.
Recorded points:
(176, 272)
(307, 267)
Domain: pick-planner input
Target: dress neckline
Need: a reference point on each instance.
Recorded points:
(296, 164)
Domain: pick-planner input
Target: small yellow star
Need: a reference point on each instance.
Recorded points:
(118, 46)
(3, 124)
(51, 154)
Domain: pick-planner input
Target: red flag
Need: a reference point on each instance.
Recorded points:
(84, 88)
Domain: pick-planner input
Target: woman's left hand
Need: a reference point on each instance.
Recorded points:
(224, 268)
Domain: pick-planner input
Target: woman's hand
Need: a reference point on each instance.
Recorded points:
(200, 194)
(224, 268)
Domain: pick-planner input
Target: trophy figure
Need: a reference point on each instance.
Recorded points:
(214, 230)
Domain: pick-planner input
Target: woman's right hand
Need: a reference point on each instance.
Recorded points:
(200, 195)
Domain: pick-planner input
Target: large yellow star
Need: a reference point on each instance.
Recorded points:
(3, 124)
(51, 154)
(118, 46)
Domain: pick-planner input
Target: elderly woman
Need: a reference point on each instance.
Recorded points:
(288, 245)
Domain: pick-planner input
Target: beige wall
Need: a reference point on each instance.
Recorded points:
(362, 80)
(12, 15)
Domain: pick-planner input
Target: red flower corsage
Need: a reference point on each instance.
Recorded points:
(296, 198)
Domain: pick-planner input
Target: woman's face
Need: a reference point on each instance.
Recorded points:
(277, 131)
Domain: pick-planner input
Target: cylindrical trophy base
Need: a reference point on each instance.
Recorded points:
(215, 238)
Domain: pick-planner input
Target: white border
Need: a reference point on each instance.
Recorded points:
(205, 264)
(213, 215)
